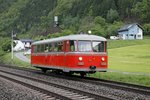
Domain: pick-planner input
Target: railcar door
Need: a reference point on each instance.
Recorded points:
(60, 55)
(46, 51)
(66, 50)
(56, 57)
(70, 55)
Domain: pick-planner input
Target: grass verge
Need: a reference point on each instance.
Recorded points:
(6, 59)
(124, 43)
(127, 78)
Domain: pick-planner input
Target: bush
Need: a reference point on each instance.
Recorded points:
(112, 29)
(100, 20)
(146, 29)
(6, 46)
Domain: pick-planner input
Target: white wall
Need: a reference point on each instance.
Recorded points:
(122, 35)
(140, 34)
(19, 45)
(27, 44)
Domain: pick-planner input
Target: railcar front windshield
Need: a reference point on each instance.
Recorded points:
(91, 46)
(98, 46)
(84, 46)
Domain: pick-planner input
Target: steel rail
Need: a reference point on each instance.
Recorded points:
(112, 84)
(70, 94)
(43, 91)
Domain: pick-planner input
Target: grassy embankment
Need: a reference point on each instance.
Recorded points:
(129, 61)
(6, 59)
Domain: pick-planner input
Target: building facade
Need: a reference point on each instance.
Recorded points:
(131, 31)
(22, 44)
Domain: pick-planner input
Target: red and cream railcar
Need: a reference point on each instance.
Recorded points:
(74, 53)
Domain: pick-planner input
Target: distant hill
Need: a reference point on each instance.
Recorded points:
(103, 17)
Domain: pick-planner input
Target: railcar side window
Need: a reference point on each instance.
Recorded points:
(35, 48)
(84, 46)
(60, 46)
(38, 48)
(42, 48)
(98, 46)
(46, 48)
(73, 46)
(55, 47)
(50, 48)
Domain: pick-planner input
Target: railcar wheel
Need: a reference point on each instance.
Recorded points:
(58, 72)
(82, 74)
(44, 70)
(68, 73)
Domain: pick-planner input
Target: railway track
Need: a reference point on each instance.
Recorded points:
(51, 89)
(144, 90)
(112, 84)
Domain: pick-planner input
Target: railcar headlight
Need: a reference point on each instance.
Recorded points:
(103, 59)
(80, 58)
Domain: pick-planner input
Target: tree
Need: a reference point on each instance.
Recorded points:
(113, 28)
(147, 29)
(124, 7)
(86, 24)
(112, 15)
(100, 20)
(98, 30)
(6, 46)
(142, 10)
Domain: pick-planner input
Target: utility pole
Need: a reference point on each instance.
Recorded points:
(12, 40)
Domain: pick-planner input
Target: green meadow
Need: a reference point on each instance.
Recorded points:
(130, 55)
(130, 59)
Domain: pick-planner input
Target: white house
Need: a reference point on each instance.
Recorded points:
(27, 42)
(18, 45)
(131, 31)
(22, 44)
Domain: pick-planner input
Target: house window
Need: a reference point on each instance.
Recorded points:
(131, 34)
(138, 29)
(139, 35)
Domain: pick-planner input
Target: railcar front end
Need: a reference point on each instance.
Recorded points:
(87, 56)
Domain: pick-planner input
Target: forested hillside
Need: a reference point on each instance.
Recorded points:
(31, 17)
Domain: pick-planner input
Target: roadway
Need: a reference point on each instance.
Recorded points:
(22, 57)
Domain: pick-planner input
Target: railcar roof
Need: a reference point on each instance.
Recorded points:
(72, 37)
